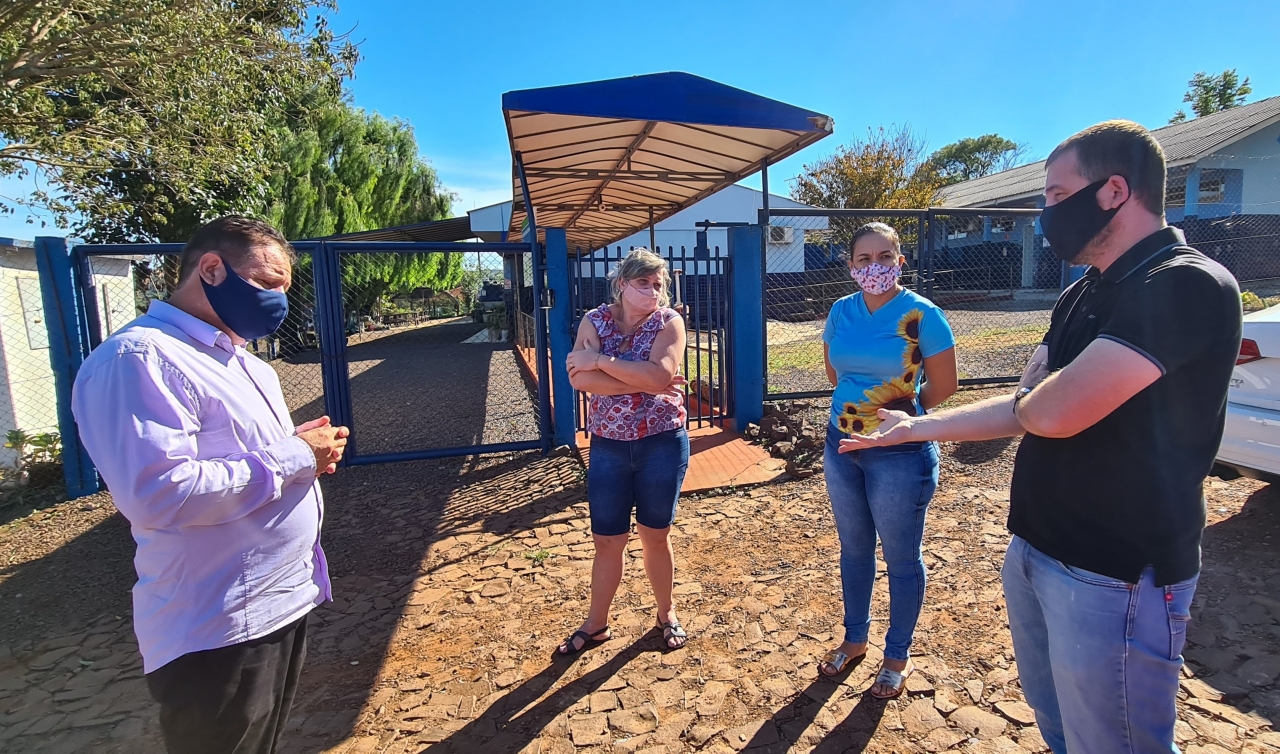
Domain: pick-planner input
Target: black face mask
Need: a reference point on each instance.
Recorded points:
(1072, 223)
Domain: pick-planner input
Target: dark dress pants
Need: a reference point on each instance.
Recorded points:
(231, 700)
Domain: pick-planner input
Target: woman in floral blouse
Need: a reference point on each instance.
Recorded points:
(879, 343)
(627, 356)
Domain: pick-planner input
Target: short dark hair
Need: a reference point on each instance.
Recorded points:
(1123, 148)
(234, 238)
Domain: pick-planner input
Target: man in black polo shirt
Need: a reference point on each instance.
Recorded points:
(1122, 407)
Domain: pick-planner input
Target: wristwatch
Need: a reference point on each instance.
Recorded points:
(1018, 396)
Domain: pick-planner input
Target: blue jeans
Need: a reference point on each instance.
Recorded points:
(644, 474)
(883, 491)
(1098, 658)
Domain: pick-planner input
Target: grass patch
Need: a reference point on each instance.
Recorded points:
(1252, 302)
(803, 356)
(538, 556)
(1002, 337)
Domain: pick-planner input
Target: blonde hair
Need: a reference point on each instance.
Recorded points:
(641, 263)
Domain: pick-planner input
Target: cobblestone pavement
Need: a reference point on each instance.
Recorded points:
(455, 580)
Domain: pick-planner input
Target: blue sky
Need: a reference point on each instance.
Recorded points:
(1030, 71)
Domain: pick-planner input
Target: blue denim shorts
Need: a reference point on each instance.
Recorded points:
(643, 474)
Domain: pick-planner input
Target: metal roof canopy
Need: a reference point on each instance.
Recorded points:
(606, 159)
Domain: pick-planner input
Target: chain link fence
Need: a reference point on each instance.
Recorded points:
(989, 271)
(1248, 246)
(430, 354)
(997, 281)
(28, 407)
(806, 271)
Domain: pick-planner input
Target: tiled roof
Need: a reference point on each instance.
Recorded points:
(1181, 142)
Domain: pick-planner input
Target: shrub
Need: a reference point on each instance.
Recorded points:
(39, 456)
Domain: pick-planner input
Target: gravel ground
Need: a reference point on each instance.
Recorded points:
(455, 579)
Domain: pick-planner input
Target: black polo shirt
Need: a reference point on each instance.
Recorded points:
(1127, 492)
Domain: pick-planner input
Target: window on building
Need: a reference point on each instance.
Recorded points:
(1002, 224)
(1175, 194)
(33, 313)
(961, 227)
(1212, 190)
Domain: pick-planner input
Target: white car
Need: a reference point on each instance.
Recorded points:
(1251, 442)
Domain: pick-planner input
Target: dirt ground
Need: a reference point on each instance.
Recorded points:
(454, 581)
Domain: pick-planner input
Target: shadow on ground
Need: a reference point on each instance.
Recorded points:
(850, 725)
(1234, 640)
(385, 525)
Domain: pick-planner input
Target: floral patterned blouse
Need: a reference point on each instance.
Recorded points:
(631, 417)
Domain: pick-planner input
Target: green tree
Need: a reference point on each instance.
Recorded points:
(1212, 94)
(181, 91)
(343, 170)
(887, 169)
(971, 158)
(333, 169)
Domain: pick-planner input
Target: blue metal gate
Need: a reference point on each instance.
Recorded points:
(700, 290)
(409, 380)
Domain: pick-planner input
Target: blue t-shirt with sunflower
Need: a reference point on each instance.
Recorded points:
(879, 357)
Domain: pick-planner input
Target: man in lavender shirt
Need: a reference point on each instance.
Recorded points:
(192, 436)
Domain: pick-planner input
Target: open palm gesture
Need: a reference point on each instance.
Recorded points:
(894, 429)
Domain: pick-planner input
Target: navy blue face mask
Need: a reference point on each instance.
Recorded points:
(251, 312)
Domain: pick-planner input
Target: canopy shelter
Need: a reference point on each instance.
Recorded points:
(606, 159)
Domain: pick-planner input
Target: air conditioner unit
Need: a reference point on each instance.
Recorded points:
(780, 234)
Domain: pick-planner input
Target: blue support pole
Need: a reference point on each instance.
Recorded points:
(331, 331)
(1191, 205)
(68, 345)
(560, 324)
(746, 254)
(546, 428)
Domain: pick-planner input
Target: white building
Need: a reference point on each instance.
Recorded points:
(735, 204)
(27, 397)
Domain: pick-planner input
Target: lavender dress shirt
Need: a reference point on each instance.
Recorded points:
(192, 436)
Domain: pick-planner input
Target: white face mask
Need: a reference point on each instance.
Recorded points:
(639, 298)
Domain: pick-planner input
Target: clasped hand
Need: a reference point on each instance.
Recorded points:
(326, 441)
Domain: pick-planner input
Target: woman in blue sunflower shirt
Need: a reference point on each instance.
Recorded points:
(880, 343)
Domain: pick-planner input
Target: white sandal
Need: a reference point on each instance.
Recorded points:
(838, 660)
(893, 679)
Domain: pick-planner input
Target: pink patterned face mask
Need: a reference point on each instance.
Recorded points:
(643, 299)
(875, 278)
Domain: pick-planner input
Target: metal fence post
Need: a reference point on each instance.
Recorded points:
(68, 343)
(546, 427)
(331, 331)
(560, 325)
(927, 255)
(746, 250)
